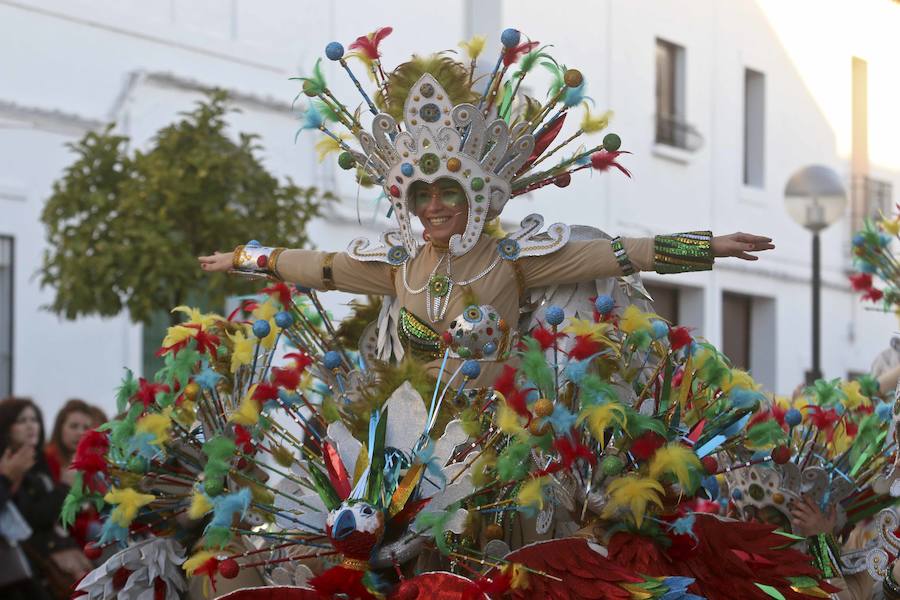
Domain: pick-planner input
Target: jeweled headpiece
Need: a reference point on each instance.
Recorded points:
(491, 147)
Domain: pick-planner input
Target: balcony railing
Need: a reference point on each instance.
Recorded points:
(674, 131)
(870, 198)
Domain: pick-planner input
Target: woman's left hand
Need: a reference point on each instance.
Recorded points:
(740, 245)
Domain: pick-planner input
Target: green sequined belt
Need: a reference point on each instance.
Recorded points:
(418, 338)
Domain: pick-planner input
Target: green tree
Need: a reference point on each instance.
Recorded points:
(124, 229)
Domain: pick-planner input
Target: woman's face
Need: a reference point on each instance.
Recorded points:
(442, 208)
(75, 426)
(26, 430)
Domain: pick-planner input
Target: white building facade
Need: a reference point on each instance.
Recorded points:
(719, 102)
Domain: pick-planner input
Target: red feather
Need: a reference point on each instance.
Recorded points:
(368, 44)
(210, 568)
(506, 381)
(265, 391)
(726, 560)
(147, 391)
(602, 160)
(860, 282)
(546, 138)
(569, 450)
(337, 472)
(243, 440)
(281, 291)
(646, 444)
(512, 55)
(341, 580)
(582, 572)
(288, 379)
(545, 337)
(584, 347)
(301, 360)
(679, 337)
(90, 458)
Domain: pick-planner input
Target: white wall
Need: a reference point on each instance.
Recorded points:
(140, 62)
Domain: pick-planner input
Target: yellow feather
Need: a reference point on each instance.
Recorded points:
(634, 319)
(531, 493)
(244, 349)
(195, 561)
(177, 334)
(633, 493)
(248, 410)
(474, 47)
(674, 459)
(855, 398)
(328, 145)
(266, 310)
(594, 123)
(739, 379)
(196, 317)
(508, 420)
(157, 424)
(601, 417)
(518, 576)
(200, 505)
(128, 502)
(585, 327)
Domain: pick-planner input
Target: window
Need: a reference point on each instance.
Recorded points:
(670, 115)
(754, 128)
(666, 301)
(736, 327)
(6, 316)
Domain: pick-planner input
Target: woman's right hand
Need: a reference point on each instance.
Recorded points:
(72, 561)
(218, 262)
(14, 464)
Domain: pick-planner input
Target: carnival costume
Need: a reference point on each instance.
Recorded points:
(561, 441)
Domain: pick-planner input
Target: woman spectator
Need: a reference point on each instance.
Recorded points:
(25, 482)
(74, 419)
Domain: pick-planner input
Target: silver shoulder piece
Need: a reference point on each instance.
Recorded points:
(390, 249)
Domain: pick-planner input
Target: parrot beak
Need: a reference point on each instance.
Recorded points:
(344, 525)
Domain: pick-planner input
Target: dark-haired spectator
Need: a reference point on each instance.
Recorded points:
(25, 482)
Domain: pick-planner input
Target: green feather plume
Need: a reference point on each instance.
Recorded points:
(534, 365)
(452, 75)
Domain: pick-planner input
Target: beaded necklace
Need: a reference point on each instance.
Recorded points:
(438, 288)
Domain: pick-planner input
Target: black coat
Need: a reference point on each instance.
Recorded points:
(39, 500)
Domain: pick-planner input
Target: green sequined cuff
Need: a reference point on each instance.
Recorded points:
(683, 252)
(824, 551)
(622, 257)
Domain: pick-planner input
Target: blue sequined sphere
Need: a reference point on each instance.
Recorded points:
(489, 348)
(284, 319)
(604, 304)
(510, 37)
(261, 328)
(253, 244)
(332, 359)
(793, 417)
(334, 51)
(471, 369)
(555, 315)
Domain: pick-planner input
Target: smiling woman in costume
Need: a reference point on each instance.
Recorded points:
(455, 164)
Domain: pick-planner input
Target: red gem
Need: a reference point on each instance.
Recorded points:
(489, 331)
(395, 191)
(92, 551)
(447, 337)
(229, 568)
(262, 261)
(781, 455)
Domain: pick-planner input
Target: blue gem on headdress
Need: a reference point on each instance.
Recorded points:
(407, 169)
(397, 255)
(332, 359)
(430, 112)
(510, 37)
(489, 348)
(334, 51)
(473, 314)
(508, 249)
(253, 244)
(261, 328)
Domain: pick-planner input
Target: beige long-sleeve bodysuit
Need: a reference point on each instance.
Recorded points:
(502, 287)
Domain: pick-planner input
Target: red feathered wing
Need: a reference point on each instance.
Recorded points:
(272, 593)
(727, 559)
(584, 573)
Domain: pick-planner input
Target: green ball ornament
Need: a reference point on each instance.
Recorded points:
(308, 89)
(612, 465)
(346, 161)
(611, 142)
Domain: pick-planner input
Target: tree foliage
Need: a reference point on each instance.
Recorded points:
(124, 229)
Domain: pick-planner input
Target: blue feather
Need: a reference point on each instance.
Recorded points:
(225, 508)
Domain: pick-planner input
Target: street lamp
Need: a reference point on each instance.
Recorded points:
(815, 198)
